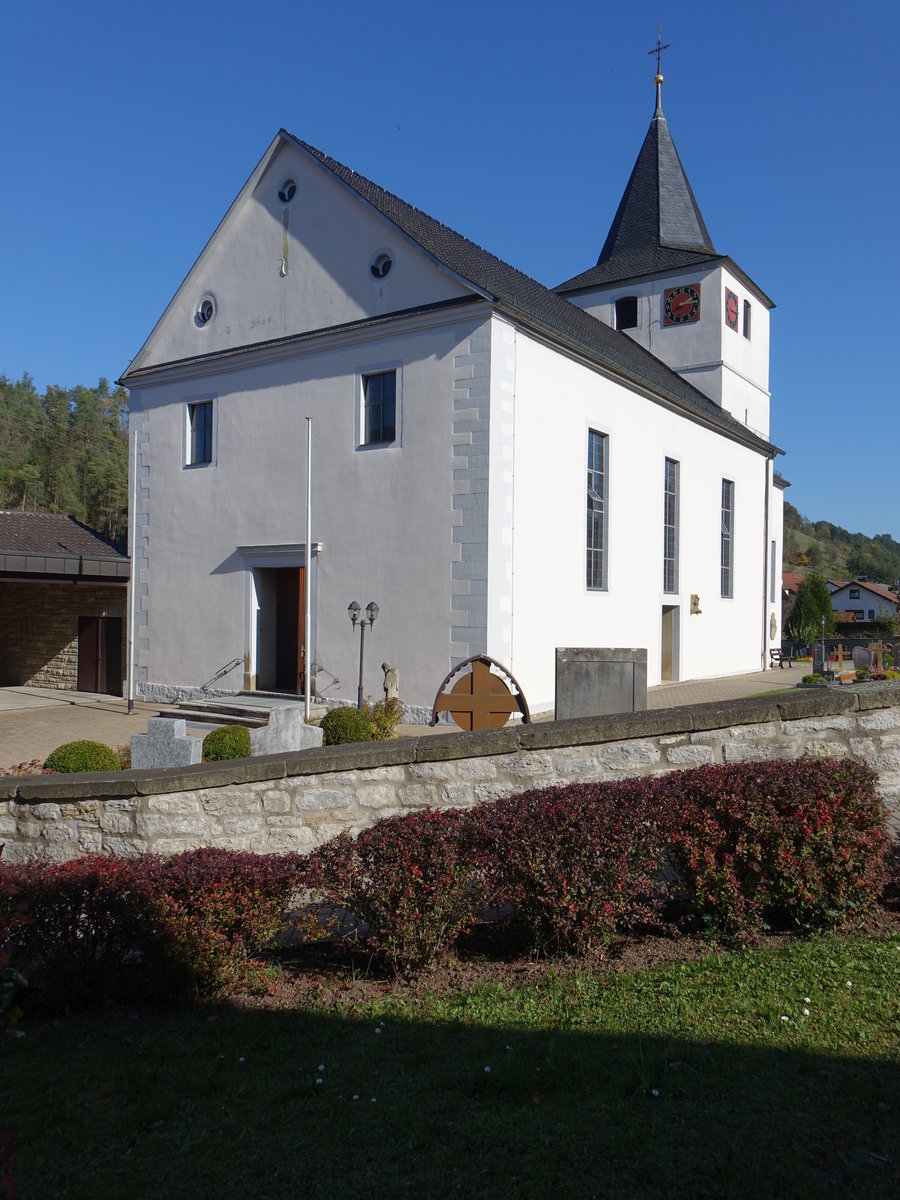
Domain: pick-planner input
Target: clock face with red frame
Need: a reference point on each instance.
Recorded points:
(731, 309)
(681, 305)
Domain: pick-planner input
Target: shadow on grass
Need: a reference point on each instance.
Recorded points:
(221, 1102)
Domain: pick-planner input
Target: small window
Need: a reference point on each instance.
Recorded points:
(670, 527)
(380, 266)
(200, 433)
(854, 593)
(379, 408)
(727, 538)
(627, 312)
(287, 191)
(206, 310)
(598, 449)
(747, 320)
(871, 614)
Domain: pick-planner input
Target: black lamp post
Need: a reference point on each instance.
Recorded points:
(371, 612)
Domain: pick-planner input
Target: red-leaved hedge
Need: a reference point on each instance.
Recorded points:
(740, 847)
(407, 882)
(104, 929)
(576, 863)
(793, 844)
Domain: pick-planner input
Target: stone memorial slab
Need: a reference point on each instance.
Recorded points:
(595, 682)
(285, 732)
(165, 744)
(862, 659)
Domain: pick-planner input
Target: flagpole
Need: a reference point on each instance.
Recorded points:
(307, 625)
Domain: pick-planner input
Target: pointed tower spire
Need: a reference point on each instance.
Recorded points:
(658, 224)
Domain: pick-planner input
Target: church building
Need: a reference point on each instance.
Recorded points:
(501, 467)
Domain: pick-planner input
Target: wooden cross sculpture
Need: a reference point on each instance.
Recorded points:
(480, 699)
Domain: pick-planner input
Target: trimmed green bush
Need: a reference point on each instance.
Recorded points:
(82, 756)
(227, 742)
(343, 725)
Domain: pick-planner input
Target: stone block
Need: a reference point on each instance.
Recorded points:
(817, 749)
(690, 756)
(177, 803)
(626, 755)
(818, 724)
(165, 744)
(593, 681)
(46, 812)
(304, 799)
(276, 802)
(285, 732)
(763, 732)
(756, 751)
(884, 718)
(117, 822)
(229, 802)
(862, 747)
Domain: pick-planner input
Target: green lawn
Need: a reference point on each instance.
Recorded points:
(701, 1080)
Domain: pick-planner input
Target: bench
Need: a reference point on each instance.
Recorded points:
(778, 657)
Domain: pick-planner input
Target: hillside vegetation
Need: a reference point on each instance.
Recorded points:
(835, 552)
(66, 450)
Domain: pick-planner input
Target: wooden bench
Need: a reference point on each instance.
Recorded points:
(778, 656)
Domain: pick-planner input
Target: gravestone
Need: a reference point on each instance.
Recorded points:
(862, 659)
(284, 732)
(820, 663)
(165, 744)
(594, 682)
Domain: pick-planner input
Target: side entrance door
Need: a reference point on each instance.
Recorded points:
(100, 655)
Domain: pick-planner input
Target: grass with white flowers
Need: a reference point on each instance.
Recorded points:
(754, 1074)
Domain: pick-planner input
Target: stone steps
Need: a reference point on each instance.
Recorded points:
(227, 712)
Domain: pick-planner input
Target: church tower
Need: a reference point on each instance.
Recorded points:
(660, 279)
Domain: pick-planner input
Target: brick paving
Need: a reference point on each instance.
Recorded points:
(34, 721)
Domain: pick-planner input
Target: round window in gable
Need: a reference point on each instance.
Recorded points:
(380, 265)
(206, 310)
(287, 191)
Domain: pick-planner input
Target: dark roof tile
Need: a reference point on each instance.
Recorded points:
(526, 298)
(52, 533)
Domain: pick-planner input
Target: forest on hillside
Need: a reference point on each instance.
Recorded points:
(837, 553)
(66, 450)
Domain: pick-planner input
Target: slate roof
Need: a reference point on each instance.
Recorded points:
(658, 226)
(525, 298)
(53, 533)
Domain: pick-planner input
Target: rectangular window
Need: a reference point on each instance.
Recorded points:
(200, 433)
(854, 593)
(773, 572)
(379, 408)
(727, 537)
(627, 312)
(598, 449)
(670, 527)
(747, 320)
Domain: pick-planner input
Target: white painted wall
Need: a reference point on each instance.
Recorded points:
(383, 514)
(557, 401)
(323, 280)
(723, 364)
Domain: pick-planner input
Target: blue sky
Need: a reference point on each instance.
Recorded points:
(127, 130)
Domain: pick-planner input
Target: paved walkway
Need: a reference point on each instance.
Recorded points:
(34, 721)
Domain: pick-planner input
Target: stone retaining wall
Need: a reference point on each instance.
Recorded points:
(296, 801)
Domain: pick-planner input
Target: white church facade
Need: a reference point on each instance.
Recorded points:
(501, 467)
